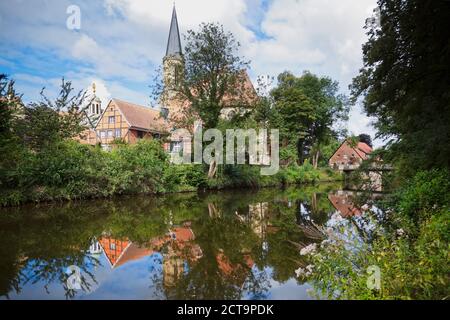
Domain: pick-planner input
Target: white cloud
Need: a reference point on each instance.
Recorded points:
(121, 42)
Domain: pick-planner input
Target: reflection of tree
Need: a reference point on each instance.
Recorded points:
(10, 266)
(223, 270)
(234, 255)
(55, 270)
(44, 244)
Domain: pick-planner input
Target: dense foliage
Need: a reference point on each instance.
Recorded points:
(45, 163)
(405, 87)
(409, 244)
(405, 81)
(307, 110)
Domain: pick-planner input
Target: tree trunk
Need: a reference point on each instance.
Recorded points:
(316, 159)
(212, 169)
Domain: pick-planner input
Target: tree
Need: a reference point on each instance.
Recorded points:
(47, 122)
(405, 81)
(10, 113)
(307, 110)
(214, 79)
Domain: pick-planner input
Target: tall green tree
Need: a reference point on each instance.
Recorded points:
(48, 122)
(405, 81)
(11, 108)
(307, 110)
(214, 79)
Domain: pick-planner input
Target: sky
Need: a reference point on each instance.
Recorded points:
(120, 43)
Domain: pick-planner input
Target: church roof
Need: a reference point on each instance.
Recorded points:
(174, 42)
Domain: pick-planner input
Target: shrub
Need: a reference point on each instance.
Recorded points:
(413, 262)
(426, 192)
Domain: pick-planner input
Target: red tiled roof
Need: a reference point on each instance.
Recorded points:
(344, 204)
(141, 117)
(133, 252)
(364, 147)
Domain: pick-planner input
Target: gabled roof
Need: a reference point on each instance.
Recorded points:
(133, 252)
(174, 42)
(361, 149)
(140, 117)
(344, 204)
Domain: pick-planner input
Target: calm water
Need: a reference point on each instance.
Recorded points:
(223, 245)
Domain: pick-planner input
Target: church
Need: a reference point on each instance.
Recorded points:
(131, 122)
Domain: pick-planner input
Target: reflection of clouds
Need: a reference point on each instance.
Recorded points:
(275, 290)
(162, 273)
(131, 281)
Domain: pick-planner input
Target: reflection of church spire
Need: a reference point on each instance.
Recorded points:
(173, 267)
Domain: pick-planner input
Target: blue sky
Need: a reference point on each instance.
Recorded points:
(122, 42)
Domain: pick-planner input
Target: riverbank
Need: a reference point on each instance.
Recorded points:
(71, 171)
(396, 251)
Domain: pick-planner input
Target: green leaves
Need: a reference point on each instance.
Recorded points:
(405, 81)
(214, 77)
(307, 109)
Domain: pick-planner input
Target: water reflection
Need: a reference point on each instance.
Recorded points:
(224, 245)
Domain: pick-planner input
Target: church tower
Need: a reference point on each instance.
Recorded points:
(173, 62)
(94, 109)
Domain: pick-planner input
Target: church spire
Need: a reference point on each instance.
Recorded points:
(174, 42)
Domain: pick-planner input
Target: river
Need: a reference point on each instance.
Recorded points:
(237, 244)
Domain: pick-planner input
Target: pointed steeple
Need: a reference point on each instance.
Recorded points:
(174, 42)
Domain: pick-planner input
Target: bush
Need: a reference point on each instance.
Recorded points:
(187, 177)
(69, 170)
(413, 261)
(425, 193)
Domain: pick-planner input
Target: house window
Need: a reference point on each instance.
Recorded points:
(176, 146)
(118, 133)
(110, 134)
(111, 120)
(140, 134)
(112, 246)
(102, 134)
